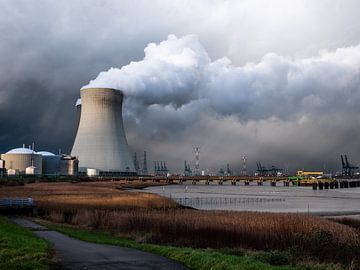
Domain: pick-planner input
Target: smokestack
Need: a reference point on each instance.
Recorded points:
(100, 141)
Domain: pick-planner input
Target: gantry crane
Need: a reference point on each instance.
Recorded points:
(348, 169)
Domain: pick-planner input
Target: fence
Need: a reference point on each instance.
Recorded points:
(225, 201)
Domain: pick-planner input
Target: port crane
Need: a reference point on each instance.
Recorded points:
(263, 171)
(348, 169)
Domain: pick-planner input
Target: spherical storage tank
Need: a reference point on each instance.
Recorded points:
(21, 158)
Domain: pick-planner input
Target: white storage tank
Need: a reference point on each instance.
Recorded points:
(12, 172)
(30, 170)
(2, 167)
(92, 172)
(2, 164)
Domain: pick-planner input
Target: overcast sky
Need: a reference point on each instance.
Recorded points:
(277, 81)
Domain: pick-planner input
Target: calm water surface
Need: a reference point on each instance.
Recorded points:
(263, 198)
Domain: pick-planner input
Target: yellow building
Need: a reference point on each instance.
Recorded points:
(309, 174)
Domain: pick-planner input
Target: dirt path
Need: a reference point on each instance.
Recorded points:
(77, 254)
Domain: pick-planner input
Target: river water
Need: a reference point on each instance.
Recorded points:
(263, 198)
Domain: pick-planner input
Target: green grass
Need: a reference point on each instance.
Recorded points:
(196, 259)
(20, 248)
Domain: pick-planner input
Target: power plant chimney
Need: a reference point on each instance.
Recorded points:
(145, 170)
(100, 141)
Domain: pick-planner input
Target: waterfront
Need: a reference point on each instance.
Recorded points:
(263, 198)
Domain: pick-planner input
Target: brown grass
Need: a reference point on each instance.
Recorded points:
(216, 229)
(348, 221)
(62, 201)
(82, 195)
(152, 218)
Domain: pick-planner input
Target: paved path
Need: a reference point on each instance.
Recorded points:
(76, 254)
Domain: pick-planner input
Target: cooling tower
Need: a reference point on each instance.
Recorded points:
(100, 141)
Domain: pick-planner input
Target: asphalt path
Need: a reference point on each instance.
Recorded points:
(77, 254)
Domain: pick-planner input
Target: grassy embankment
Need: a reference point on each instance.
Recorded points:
(21, 249)
(151, 219)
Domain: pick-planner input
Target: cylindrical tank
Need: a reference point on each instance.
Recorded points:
(20, 158)
(12, 172)
(69, 165)
(2, 164)
(2, 167)
(92, 172)
(50, 163)
(30, 170)
(100, 141)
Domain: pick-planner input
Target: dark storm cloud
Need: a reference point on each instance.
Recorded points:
(45, 58)
(48, 50)
(177, 81)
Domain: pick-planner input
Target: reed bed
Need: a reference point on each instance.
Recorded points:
(216, 229)
(301, 235)
(154, 219)
(74, 196)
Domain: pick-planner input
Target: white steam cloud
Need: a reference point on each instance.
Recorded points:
(178, 72)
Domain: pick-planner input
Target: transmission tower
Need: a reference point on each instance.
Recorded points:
(145, 170)
(244, 158)
(136, 163)
(197, 160)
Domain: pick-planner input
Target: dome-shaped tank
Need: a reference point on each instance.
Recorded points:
(21, 150)
(21, 158)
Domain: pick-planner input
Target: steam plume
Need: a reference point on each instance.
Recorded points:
(179, 71)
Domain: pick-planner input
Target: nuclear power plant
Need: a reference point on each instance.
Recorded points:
(100, 146)
(100, 143)
(25, 161)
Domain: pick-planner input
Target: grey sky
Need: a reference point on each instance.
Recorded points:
(50, 49)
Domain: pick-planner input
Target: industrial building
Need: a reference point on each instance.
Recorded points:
(69, 165)
(143, 170)
(21, 161)
(25, 161)
(53, 165)
(50, 163)
(100, 142)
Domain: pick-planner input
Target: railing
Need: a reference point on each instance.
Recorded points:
(17, 203)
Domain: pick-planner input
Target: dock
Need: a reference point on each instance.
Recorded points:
(330, 183)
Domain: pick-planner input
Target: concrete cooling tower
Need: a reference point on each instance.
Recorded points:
(100, 141)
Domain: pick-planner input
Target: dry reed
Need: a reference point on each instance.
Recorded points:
(151, 218)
